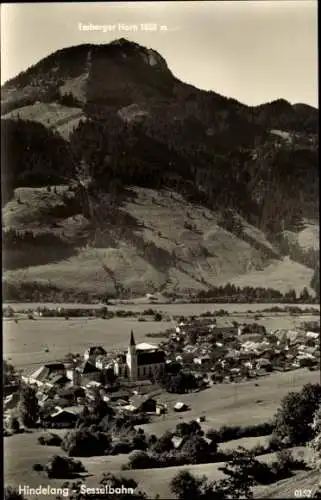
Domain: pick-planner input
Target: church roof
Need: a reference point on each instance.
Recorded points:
(132, 340)
(150, 358)
(146, 347)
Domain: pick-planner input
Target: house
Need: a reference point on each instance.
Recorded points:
(103, 362)
(88, 372)
(312, 335)
(202, 360)
(118, 395)
(178, 441)
(65, 417)
(263, 363)
(93, 352)
(42, 374)
(179, 406)
(145, 404)
(141, 362)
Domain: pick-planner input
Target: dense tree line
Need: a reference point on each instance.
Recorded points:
(231, 293)
(315, 281)
(11, 238)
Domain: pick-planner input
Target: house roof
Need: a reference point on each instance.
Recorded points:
(178, 441)
(150, 358)
(96, 351)
(55, 366)
(71, 411)
(46, 370)
(118, 394)
(144, 346)
(58, 379)
(138, 400)
(179, 405)
(87, 367)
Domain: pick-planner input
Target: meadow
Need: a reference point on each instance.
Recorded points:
(22, 451)
(25, 342)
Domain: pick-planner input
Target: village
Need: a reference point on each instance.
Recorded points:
(196, 354)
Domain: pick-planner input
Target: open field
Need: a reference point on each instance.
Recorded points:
(245, 403)
(22, 451)
(25, 342)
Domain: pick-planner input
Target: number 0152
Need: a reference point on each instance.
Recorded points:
(303, 493)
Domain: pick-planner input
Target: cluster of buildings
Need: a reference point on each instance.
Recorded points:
(140, 362)
(242, 350)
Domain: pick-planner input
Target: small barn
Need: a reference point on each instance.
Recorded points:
(179, 406)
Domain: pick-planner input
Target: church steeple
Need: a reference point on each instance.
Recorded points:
(131, 357)
(132, 340)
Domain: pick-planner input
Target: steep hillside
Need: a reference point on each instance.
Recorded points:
(103, 121)
(156, 241)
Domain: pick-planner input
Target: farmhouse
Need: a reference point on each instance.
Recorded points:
(46, 372)
(93, 352)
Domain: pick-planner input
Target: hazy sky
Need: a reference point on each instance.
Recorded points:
(253, 51)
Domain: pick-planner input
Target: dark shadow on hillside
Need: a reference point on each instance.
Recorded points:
(25, 249)
(264, 250)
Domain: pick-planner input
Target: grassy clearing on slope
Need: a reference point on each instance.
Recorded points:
(280, 275)
(187, 249)
(48, 114)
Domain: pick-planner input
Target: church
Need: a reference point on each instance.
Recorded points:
(141, 361)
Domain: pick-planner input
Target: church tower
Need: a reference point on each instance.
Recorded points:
(131, 358)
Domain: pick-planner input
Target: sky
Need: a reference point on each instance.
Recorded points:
(254, 51)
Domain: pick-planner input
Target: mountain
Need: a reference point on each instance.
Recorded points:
(100, 140)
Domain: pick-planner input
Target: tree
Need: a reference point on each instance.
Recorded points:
(184, 486)
(242, 474)
(63, 467)
(86, 443)
(196, 449)
(316, 442)
(164, 443)
(315, 282)
(294, 418)
(12, 494)
(28, 407)
(9, 373)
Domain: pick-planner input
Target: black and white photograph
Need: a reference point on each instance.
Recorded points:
(160, 250)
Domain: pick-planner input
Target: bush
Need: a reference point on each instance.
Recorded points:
(50, 439)
(12, 494)
(63, 467)
(38, 467)
(228, 433)
(121, 447)
(141, 460)
(86, 443)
